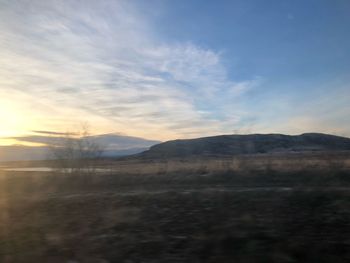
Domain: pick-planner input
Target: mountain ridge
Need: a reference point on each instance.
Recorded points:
(115, 145)
(230, 145)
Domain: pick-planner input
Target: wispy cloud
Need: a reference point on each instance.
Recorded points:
(107, 141)
(103, 61)
(53, 133)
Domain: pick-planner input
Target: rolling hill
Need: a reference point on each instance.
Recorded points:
(229, 145)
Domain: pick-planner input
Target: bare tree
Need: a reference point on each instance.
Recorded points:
(77, 152)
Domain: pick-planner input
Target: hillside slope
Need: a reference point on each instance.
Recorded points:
(228, 145)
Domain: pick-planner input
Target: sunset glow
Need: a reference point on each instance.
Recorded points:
(127, 67)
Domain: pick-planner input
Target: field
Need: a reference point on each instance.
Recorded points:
(251, 209)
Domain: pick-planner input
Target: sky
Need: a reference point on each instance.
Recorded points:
(162, 69)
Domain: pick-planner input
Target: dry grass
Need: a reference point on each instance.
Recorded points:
(246, 209)
(263, 162)
(292, 162)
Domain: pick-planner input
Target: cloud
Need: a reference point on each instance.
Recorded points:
(54, 133)
(38, 139)
(107, 141)
(102, 60)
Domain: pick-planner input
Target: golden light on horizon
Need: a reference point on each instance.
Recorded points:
(11, 120)
(14, 121)
(12, 142)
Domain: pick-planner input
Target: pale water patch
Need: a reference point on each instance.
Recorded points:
(47, 169)
(29, 169)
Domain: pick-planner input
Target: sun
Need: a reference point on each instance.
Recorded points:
(14, 121)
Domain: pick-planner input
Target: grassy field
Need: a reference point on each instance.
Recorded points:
(212, 210)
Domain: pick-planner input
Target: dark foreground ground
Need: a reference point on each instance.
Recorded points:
(265, 217)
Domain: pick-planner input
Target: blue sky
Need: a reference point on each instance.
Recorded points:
(175, 69)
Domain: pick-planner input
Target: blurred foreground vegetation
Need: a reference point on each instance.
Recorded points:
(261, 215)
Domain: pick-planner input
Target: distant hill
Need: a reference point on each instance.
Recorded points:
(229, 145)
(115, 145)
